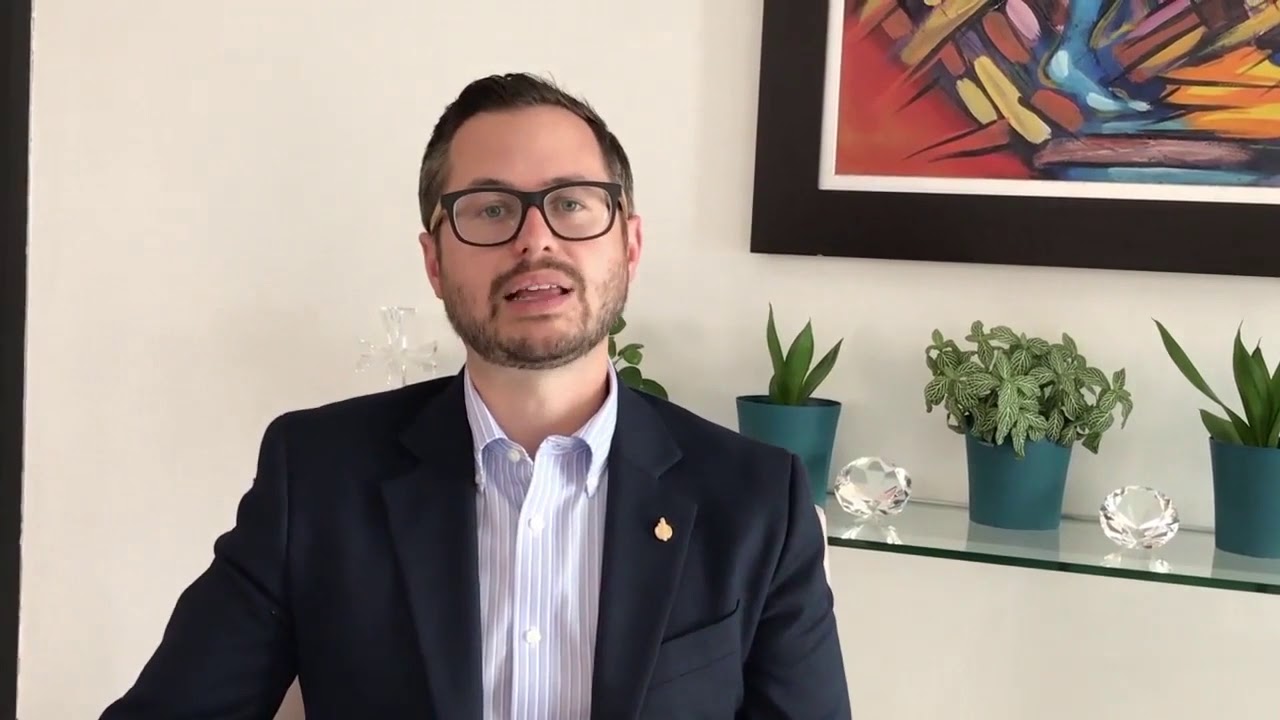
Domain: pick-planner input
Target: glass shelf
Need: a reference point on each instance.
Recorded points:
(944, 531)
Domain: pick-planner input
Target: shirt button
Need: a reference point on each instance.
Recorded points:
(532, 636)
(513, 455)
(536, 524)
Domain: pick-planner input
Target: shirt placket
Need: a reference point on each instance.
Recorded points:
(535, 575)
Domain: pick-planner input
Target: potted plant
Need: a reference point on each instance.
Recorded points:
(626, 360)
(789, 416)
(1244, 451)
(1021, 403)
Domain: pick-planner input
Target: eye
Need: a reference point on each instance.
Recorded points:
(569, 205)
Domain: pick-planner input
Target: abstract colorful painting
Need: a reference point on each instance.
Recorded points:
(1135, 91)
(1094, 134)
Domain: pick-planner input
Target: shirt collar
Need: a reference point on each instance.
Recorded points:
(596, 432)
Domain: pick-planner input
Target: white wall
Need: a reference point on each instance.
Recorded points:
(222, 193)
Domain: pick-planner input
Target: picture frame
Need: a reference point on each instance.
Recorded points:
(15, 139)
(793, 215)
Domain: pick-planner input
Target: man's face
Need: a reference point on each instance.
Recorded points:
(530, 149)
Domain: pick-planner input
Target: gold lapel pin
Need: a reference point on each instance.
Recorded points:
(662, 530)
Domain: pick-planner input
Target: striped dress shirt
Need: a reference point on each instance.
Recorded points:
(541, 528)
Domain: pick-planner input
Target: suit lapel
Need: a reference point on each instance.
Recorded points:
(640, 571)
(431, 510)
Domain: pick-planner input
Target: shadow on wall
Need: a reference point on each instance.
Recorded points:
(291, 708)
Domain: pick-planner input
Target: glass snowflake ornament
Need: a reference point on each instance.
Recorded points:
(397, 354)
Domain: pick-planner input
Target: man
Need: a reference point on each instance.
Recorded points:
(528, 539)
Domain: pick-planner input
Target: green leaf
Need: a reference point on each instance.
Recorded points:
(631, 353)
(1093, 377)
(1054, 426)
(1000, 366)
(613, 347)
(1038, 346)
(1220, 429)
(1098, 421)
(963, 397)
(1189, 371)
(631, 376)
(796, 366)
(1108, 400)
(980, 383)
(1004, 334)
(653, 388)
(976, 333)
(820, 371)
(1184, 364)
(1040, 375)
(1026, 386)
(1125, 401)
(1020, 359)
(1262, 377)
(618, 326)
(775, 390)
(1069, 343)
(1006, 417)
(934, 393)
(1019, 439)
(1091, 442)
(1252, 386)
(1273, 435)
(1059, 363)
(775, 347)
(986, 353)
(1072, 405)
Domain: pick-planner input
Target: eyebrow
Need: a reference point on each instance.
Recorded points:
(495, 182)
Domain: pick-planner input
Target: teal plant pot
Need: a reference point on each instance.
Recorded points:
(1016, 493)
(807, 430)
(1246, 499)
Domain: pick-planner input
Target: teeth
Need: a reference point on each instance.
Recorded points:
(535, 288)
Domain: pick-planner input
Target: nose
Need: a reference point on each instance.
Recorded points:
(535, 235)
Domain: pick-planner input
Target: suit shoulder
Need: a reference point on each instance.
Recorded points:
(383, 410)
(702, 437)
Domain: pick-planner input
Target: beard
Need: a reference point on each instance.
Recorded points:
(480, 331)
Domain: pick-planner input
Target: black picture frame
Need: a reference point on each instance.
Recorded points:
(15, 95)
(792, 216)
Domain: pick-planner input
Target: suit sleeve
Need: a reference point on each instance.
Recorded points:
(795, 669)
(227, 651)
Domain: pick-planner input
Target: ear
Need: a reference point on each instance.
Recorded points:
(635, 241)
(431, 259)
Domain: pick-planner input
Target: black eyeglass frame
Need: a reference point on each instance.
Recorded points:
(529, 199)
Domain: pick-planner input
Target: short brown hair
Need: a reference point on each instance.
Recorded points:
(506, 92)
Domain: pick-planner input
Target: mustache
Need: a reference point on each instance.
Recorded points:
(526, 266)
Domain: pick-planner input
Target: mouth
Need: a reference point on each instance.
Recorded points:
(534, 292)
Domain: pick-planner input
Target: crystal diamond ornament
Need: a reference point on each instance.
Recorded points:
(1138, 517)
(397, 355)
(870, 487)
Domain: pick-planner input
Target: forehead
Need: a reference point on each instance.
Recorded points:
(524, 147)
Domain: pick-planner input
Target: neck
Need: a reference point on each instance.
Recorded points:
(530, 405)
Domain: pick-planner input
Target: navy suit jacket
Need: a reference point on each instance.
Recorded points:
(351, 566)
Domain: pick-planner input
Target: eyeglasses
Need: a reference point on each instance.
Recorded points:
(488, 216)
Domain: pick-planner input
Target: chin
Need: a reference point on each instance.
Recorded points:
(541, 340)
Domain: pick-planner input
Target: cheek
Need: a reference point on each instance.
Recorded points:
(464, 276)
